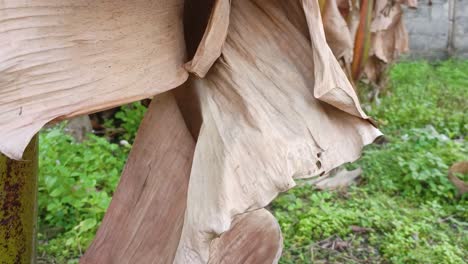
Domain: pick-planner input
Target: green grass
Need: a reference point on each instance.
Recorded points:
(76, 182)
(400, 231)
(404, 200)
(405, 208)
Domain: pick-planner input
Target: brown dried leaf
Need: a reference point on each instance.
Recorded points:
(410, 3)
(212, 42)
(60, 59)
(254, 237)
(337, 32)
(359, 229)
(144, 220)
(390, 38)
(263, 126)
(331, 84)
(459, 167)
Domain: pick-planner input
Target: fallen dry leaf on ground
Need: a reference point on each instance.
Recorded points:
(462, 168)
(341, 179)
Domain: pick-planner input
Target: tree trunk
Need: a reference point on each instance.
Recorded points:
(18, 203)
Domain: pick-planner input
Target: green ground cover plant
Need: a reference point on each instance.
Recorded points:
(76, 181)
(403, 210)
(405, 206)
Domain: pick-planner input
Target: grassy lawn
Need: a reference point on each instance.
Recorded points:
(403, 210)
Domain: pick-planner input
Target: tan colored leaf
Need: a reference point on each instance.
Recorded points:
(410, 3)
(254, 238)
(263, 125)
(331, 84)
(337, 32)
(353, 16)
(384, 15)
(459, 167)
(144, 221)
(360, 230)
(212, 42)
(375, 70)
(390, 38)
(60, 59)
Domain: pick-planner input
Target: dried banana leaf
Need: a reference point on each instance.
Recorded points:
(410, 3)
(212, 42)
(337, 32)
(460, 167)
(276, 106)
(389, 39)
(59, 59)
(254, 237)
(144, 221)
(376, 30)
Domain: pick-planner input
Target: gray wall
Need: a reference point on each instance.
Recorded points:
(429, 26)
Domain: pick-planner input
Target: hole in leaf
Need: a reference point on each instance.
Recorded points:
(319, 164)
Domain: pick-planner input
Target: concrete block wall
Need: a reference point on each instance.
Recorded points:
(429, 29)
(461, 28)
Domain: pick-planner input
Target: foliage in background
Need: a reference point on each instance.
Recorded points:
(399, 230)
(405, 202)
(76, 183)
(405, 208)
(128, 118)
(423, 115)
